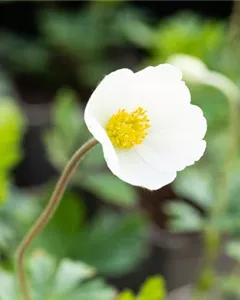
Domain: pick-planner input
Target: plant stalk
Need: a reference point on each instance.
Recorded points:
(47, 214)
(212, 236)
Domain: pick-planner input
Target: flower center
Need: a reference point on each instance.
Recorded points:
(127, 130)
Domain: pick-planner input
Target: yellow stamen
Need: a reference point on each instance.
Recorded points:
(127, 130)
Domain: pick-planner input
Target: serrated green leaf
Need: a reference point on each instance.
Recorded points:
(49, 279)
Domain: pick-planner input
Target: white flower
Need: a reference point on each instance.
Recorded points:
(146, 125)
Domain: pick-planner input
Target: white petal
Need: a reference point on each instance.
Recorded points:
(101, 136)
(113, 93)
(163, 72)
(179, 143)
(181, 123)
(172, 157)
(161, 98)
(136, 171)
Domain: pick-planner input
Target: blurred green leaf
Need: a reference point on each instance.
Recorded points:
(196, 185)
(189, 34)
(183, 217)
(233, 249)
(8, 290)
(68, 131)
(111, 189)
(62, 231)
(11, 130)
(16, 215)
(152, 289)
(93, 290)
(32, 56)
(229, 285)
(126, 295)
(51, 280)
(112, 243)
(69, 275)
(3, 188)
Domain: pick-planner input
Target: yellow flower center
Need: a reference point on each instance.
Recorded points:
(127, 130)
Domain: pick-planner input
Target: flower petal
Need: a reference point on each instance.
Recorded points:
(112, 93)
(163, 72)
(101, 136)
(172, 157)
(136, 171)
(177, 142)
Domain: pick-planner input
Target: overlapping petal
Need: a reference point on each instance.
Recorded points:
(175, 138)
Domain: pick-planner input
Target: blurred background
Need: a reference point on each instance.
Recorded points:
(52, 56)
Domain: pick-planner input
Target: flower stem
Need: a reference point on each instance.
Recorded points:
(47, 214)
(212, 236)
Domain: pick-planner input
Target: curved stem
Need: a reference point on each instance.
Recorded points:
(47, 214)
(211, 234)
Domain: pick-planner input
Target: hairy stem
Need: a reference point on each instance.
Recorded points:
(47, 214)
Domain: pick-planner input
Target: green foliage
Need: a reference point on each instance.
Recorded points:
(11, 128)
(62, 280)
(189, 34)
(112, 243)
(16, 215)
(62, 232)
(233, 249)
(24, 54)
(198, 184)
(67, 134)
(183, 217)
(126, 295)
(152, 289)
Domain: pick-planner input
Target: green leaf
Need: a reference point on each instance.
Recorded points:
(233, 249)
(196, 185)
(3, 188)
(11, 130)
(8, 289)
(153, 289)
(42, 269)
(49, 279)
(16, 215)
(126, 295)
(68, 131)
(183, 217)
(62, 231)
(112, 243)
(93, 290)
(69, 275)
(189, 34)
(111, 189)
